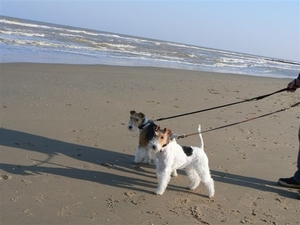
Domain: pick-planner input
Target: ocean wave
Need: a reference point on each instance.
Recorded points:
(65, 42)
(20, 33)
(31, 25)
(70, 35)
(23, 24)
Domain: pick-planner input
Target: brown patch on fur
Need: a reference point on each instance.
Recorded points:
(143, 140)
(162, 135)
(146, 135)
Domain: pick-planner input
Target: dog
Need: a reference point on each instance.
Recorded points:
(172, 156)
(146, 128)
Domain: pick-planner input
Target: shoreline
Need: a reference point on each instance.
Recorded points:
(140, 65)
(67, 156)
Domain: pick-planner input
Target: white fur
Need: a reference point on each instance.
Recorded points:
(172, 157)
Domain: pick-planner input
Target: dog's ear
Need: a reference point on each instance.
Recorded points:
(132, 112)
(156, 128)
(142, 115)
(168, 131)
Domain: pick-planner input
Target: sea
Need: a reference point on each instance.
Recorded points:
(32, 41)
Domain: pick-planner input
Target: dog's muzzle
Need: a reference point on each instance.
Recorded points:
(154, 147)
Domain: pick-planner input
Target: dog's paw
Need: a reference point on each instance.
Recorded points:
(211, 196)
(138, 161)
(189, 188)
(159, 192)
(174, 174)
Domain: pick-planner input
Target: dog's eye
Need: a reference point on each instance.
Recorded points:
(161, 137)
(136, 120)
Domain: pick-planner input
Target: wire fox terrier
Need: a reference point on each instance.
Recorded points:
(146, 127)
(172, 156)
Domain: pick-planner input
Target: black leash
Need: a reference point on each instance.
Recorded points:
(243, 121)
(221, 106)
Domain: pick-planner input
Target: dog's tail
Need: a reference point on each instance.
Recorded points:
(200, 136)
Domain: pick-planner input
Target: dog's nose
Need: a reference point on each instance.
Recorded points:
(154, 147)
(129, 127)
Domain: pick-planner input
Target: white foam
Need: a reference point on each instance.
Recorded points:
(5, 21)
(14, 22)
(20, 33)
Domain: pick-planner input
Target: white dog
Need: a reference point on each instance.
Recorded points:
(172, 156)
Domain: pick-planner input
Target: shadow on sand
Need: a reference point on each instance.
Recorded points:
(98, 156)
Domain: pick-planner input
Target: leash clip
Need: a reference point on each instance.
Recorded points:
(181, 136)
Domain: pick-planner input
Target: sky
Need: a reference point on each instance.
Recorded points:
(266, 28)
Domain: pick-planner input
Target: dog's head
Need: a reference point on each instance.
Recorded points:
(160, 139)
(135, 120)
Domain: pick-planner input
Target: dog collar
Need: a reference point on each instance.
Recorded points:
(165, 145)
(144, 124)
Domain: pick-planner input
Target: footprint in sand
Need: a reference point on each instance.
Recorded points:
(5, 177)
(26, 182)
(69, 210)
(42, 198)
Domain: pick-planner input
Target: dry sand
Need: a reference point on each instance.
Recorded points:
(67, 157)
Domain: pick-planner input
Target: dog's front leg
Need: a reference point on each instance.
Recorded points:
(147, 159)
(138, 156)
(163, 180)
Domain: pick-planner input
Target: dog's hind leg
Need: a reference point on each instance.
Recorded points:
(209, 183)
(193, 177)
(174, 173)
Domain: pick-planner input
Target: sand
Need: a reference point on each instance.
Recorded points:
(67, 157)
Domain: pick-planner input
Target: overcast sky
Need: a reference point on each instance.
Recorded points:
(266, 28)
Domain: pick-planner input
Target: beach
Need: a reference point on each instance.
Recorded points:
(67, 156)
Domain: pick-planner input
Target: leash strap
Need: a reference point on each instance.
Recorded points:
(243, 121)
(221, 106)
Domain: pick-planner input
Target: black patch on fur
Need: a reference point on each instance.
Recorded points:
(187, 150)
(150, 131)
